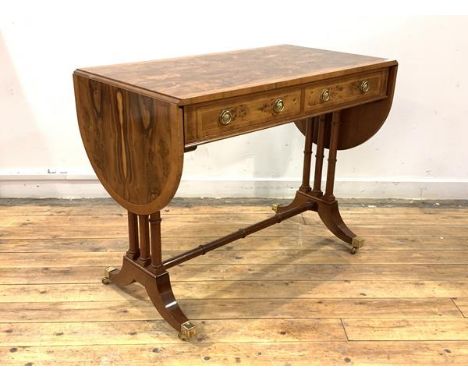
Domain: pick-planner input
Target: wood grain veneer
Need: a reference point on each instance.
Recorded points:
(216, 76)
(136, 121)
(134, 143)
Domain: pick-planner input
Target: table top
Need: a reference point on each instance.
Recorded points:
(195, 79)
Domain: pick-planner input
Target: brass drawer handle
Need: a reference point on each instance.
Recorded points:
(225, 118)
(278, 106)
(325, 96)
(364, 86)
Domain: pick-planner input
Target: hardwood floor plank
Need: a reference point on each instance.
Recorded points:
(150, 332)
(245, 257)
(369, 219)
(204, 231)
(233, 272)
(462, 305)
(239, 289)
(86, 207)
(262, 243)
(131, 308)
(406, 330)
(284, 353)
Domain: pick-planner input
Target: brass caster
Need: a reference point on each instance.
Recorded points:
(106, 279)
(274, 207)
(187, 331)
(357, 243)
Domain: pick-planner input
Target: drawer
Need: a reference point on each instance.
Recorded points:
(341, 92)
(240, 115)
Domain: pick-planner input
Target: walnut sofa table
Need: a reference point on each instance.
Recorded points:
(137, 120)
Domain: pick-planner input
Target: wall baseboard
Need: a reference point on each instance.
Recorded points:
(87, 186)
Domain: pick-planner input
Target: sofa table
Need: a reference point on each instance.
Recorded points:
(136, 121)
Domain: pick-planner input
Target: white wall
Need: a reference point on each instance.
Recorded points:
(421, 152)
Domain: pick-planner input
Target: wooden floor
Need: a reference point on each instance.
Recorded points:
(289, 295)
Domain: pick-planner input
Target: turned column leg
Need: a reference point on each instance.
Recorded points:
(144, 258)
(133, 248)
(143, 263)
(300, 198)
(156, 251)
(305, 187)
(334, 130)
(323, 202)
(328, 209)
(317, 190)
(159, 289)
(123, 277)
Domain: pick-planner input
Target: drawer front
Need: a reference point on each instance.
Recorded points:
(225, 119)
(341, 92)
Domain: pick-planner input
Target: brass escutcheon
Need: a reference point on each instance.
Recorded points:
(325, 96)
(364, 86)
(225, 118)
(278, 106)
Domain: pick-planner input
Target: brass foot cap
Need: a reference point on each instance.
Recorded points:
(357, 242)
(106, 279)
(275, 207)
(108, 271)
(187, 331)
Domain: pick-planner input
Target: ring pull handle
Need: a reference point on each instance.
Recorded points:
(278, 106)
(325, 96)
(364, 86)
(225, 117)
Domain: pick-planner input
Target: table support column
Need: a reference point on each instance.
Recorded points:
(144, 258)
(133, 248)
(149, 271)
(309, 130)
(317, 190)
(155, 226)
(334, 131)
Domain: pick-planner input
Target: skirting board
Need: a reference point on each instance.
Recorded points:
(87, 186)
